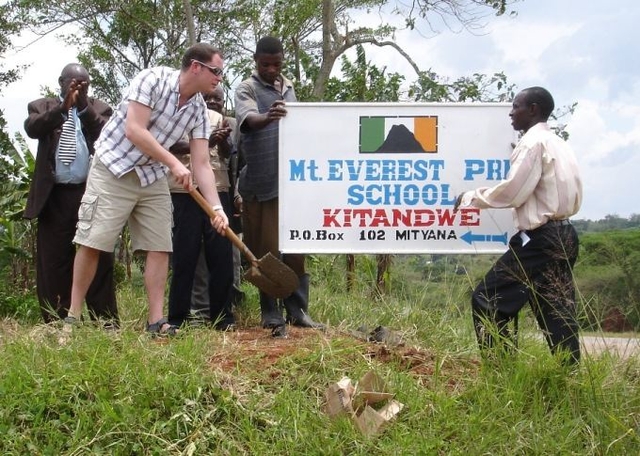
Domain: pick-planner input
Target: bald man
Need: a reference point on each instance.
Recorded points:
(543, 189)
(66, 128)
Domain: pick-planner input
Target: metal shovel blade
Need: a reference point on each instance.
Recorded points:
(269, 274)
(273, 277)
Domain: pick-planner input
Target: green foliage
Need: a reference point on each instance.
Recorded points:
(16, 234)
(363, 82)
(610, 270)
(430, 87)
(15, 166)
(7, 29)
(608, 223)
(118, 39)
(21, 305)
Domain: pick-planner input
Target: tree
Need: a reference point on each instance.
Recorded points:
(7, 29)
(7, 76)
(16, 235)
(118, 39)
(363, 81)
(337, 38)
(430, 87)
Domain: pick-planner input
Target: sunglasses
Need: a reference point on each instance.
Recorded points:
(214, 70)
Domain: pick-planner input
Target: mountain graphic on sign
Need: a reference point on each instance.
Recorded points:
(400, 139)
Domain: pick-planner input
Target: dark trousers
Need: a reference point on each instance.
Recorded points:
(192, 231)
(55, 253)
(260, 231)
(540, 273)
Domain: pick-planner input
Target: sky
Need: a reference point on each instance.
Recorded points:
(581, 51)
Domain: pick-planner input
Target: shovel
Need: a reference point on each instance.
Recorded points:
(268, 273)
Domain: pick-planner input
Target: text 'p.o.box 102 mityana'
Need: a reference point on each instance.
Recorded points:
(384, 177)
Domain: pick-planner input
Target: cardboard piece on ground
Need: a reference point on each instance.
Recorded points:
(368, 403)
(339, 397)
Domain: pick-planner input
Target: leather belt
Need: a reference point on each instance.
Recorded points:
(559, 222)
(70, 186)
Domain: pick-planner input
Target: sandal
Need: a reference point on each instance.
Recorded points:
(71, 321)
(159, 329)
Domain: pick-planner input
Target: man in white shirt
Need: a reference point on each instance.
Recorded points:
(544, 189)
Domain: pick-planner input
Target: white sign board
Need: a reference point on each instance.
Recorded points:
(384, 177)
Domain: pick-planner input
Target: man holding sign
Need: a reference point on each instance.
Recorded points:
(260, 104)
(544, 189)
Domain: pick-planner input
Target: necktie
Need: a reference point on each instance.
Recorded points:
(67, 144)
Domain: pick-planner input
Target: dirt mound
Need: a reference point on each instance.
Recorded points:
(253, 348)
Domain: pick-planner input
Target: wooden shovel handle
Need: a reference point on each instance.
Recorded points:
(233, 237)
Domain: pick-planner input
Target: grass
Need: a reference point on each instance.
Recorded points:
(94, 392)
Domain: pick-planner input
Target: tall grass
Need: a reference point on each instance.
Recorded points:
(88, 391)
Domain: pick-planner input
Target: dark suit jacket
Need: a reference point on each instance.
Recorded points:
(45, 124)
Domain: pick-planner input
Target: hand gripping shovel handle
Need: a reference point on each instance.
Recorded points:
(233, 237)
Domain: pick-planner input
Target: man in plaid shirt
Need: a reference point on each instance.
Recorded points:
(127, 181)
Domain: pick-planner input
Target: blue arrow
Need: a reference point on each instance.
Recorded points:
(470, 238)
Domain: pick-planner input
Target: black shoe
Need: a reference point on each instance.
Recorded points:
(279, 331)
(225, 326)
(304, 321)
(110, 326)
(272, 320)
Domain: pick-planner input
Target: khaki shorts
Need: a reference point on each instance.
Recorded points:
(109, 203)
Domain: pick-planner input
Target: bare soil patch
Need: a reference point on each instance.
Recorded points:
(252, 348)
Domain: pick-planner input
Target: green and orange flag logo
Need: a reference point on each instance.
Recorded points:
(398, 134)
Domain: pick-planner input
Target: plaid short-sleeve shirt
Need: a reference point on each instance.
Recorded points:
(158, 89)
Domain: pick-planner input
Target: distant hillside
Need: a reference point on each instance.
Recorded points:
(610, 222)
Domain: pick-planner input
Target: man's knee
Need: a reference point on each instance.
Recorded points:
(480, 302)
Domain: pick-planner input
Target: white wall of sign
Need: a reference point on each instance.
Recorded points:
(383, 177)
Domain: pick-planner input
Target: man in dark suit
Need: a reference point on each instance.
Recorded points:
(66, 128)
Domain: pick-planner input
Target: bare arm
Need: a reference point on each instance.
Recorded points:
(206, 181)
(257, 121)
(138, 116)
(247, 113)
